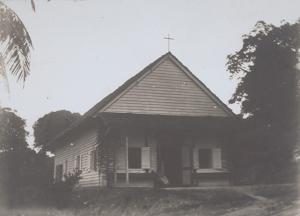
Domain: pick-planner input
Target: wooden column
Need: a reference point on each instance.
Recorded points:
(158, 157)
(126, 159)
(191, 146)
(99, 148)
(115, 158)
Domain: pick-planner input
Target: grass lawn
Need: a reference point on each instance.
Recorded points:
(229, 202)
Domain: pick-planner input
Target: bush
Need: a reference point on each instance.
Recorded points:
(62, 190)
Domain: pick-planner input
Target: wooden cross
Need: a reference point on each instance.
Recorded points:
(168, 38)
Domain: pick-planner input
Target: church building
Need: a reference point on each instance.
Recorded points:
(162, 127)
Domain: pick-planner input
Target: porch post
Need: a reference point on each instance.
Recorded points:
(126, 159)
(159, 155)
(192, 163)
(101, 135)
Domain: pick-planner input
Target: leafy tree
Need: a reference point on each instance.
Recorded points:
(51, 124)
(266, 69)
(25, 176)
(12, 131)
(13, 148)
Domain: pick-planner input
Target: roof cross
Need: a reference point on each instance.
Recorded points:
(168, 38)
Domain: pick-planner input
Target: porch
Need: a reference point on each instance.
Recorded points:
(148, 151)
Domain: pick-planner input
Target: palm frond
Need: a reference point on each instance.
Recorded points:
(18, 44)
(3, 75)
(33, 5)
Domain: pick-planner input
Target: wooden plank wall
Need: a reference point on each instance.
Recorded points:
(167, 91)
(80, 146)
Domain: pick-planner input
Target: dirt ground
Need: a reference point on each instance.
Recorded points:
(272, 200)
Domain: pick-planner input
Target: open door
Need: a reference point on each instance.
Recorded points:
(172, 163)
(186, 165)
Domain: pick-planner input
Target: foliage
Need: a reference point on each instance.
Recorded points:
(40, 173)
(266, 68)
(51, 124)
(25, 176)
(12, 131)
(17, 44)
(13, 152)
(267, 91)
(62, 190)
(146, 202)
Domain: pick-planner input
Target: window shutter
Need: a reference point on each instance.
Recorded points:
(78, 162)
(146, 158)
(75, 162)
(81, 162)
(186, 163)
(92, 160)
(96, 158)
(196, 158)
(89, 160)
(217, 161)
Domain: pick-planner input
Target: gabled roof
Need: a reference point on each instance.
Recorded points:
(203, 87)
(132, 81)
(95, 109)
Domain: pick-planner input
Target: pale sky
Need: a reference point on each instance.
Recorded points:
(83, 50)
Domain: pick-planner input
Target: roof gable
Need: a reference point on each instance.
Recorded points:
(167, 87)
(107, 103)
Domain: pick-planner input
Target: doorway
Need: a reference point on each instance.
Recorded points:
(171, 159)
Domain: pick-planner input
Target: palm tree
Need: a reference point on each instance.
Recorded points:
(15, 45)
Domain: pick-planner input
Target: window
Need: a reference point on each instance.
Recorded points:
(77, 162)
(134, 158)
(205, 158)
(93, 160)
(59, 172)
(66, 167)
